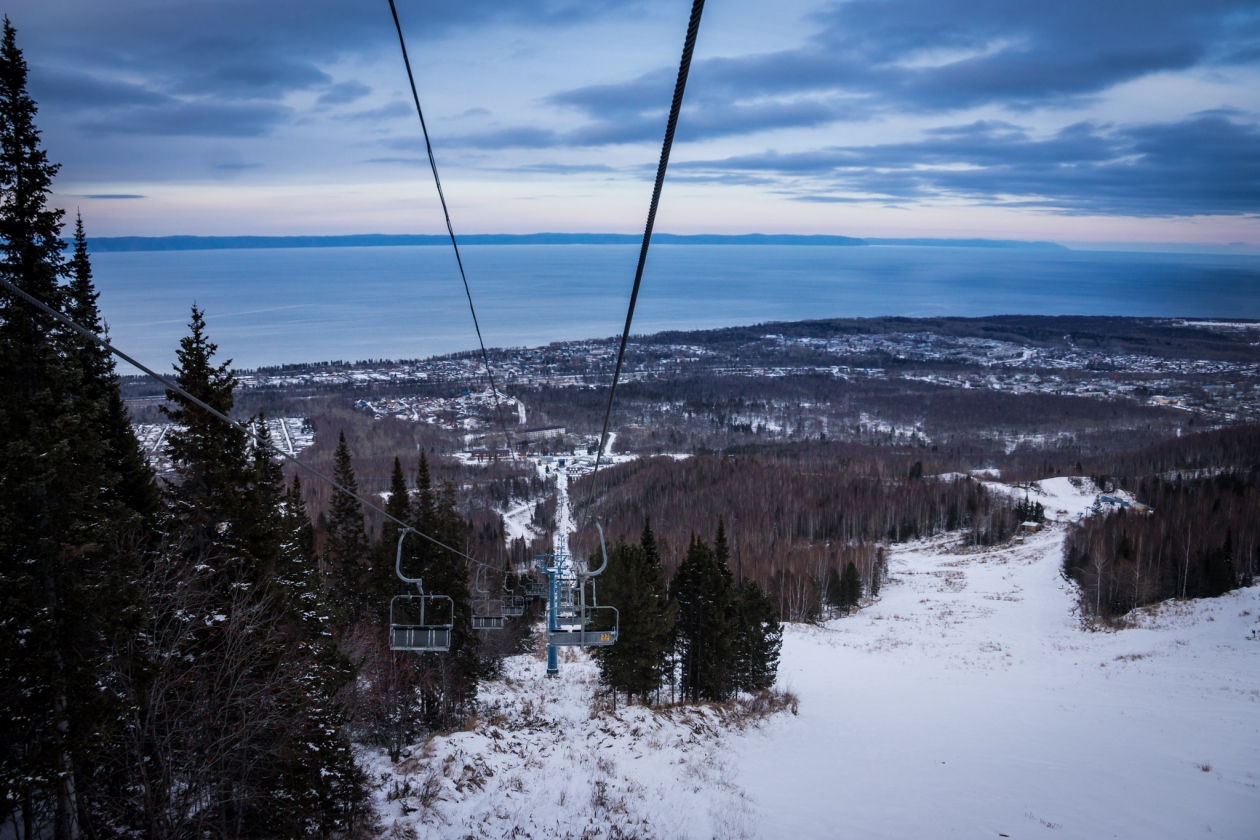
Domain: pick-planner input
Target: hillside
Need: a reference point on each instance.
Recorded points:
(968, 701)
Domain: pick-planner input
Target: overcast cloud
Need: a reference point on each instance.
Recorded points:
(1123, 109)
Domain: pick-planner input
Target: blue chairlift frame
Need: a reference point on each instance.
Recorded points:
(570, 616)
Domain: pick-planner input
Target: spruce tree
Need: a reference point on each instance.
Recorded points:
(320, 777)
(346, 548)
(758, 638)
(833, 591)
(634, 583)
(209, 457)
(850, 588)
(447, 698)
(385, 583)
(136, 487)
(703, 630)
(263, 518)
(67, 570)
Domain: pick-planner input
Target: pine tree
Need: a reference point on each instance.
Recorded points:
(634, 583)
(758, 638)
(850, 588)
(703, 631)
(209, 457)
(67, 568)
(385, 583)
(346, 549)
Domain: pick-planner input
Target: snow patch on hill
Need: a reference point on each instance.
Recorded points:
(971, 700)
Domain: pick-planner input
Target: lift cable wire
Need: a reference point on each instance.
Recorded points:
(485, 357)
(697, 7)
(248, 430)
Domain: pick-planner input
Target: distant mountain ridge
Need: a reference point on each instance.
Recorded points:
(105, 244)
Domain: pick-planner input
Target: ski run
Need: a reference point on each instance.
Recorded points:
(970, 700)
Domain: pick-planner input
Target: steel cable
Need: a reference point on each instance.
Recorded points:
(485, 357)
(684, 67)
(214, 412)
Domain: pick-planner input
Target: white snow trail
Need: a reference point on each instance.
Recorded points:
(969, 701)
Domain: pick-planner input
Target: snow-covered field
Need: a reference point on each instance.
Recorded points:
(290, 434)
(969, 701)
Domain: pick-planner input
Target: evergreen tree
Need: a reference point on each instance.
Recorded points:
(136, 488)
(321, 777)
(721, 550)
(758, 638)
(209, 457)
(634, 583)
(850, 588)
(67, 570)
(447, 697)
(703, 630)
(385, 583)
(231, 500)
(346, 549)
(263, 519)
(833, 592)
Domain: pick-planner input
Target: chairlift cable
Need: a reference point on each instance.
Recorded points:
(485, 357)
(684, 67)
(214, 412)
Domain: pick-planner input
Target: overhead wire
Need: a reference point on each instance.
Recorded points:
(485, 357)
(675, 106)
(214, 412)
(684, 67)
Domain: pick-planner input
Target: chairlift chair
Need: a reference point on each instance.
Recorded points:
(489, 617)
(575, 622)
(513, 604)
(414, 620)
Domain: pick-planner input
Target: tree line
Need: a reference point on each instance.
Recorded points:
(191, 657)
(167, 661)
(1199, 535)
(797, 523)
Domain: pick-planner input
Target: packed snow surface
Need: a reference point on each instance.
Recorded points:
(970, 700)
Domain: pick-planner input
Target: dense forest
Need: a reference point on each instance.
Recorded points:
(189, 657)
(1195, 531)
(796, 518)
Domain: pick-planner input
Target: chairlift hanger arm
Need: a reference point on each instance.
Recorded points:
(603, 550)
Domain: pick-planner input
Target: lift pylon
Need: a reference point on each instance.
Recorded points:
(572, 620)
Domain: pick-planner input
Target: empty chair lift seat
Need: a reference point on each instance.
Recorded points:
(422, 623)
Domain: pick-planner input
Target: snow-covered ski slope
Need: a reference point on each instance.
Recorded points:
(968, 702)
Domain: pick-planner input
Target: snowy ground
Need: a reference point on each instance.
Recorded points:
(969, 701)
(290, 434)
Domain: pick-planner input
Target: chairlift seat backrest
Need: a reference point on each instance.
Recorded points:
(422, 623)
(487, 622)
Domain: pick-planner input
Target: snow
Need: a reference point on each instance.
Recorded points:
(540, 763)
(970, 700)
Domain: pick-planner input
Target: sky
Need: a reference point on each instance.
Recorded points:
(1074, 121)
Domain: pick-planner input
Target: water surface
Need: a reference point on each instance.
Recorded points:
(267, 307)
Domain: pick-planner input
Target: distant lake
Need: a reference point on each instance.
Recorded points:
(267, 307)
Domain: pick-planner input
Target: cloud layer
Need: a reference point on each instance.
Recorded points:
(985, 102)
